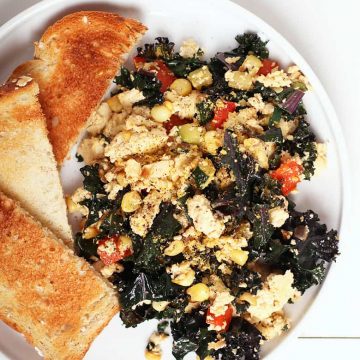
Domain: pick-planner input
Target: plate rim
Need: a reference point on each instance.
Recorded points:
(324, 101)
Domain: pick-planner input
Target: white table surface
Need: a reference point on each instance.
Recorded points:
(326, 33)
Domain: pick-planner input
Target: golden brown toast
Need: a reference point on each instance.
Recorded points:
(53, 297)
(28, 170)
(75, 62)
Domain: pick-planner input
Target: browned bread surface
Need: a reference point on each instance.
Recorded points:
(28, 170)
(47, 293)
(75, 61)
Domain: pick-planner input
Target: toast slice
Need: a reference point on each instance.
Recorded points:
(28, 170)
(75, 62)
(53, 297)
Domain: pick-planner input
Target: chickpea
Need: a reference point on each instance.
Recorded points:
(175, 248)
(182, 87)
(186, 278)
(131, 201)
(239, 256)
(198, 292)
(160, 113)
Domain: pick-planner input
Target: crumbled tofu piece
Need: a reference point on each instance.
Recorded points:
(257, 102)
(278, 215)
(199, 209)
(115, 124)
(275, 79)
(260, 150)
(287, 127)
(112, 188)
(232, 59)
(321, 159)
(132, 170)
(216, 345)
(98, 119)
(189, 48)
(274, 325)
(139, 123)
(92, 149)
(182, 274)
(128, 143)
(296, 75)
(80, 194)
(130, 97)
(243, 117)
(239, 80)
(108, 270)
(277, 291)
(143, 218)
(183, 106)
(212, 140)
(200, 77)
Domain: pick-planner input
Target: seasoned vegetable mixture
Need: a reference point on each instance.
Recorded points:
(186, 201)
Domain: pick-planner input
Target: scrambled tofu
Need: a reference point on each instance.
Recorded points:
(205, 220)
(277, 291)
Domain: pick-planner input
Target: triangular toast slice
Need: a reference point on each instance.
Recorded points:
(28, 170)
(56, 299)
(75, 62)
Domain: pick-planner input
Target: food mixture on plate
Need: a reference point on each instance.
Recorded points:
(186, 200)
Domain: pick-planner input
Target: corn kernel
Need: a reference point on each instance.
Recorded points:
(239, 80)
(239, 256)
(185, 279)
(152, 355)
(114, 103)
(175, 248)
(190, 134)
(159, 305)
(252, 64)
(131, 201)
(160, 113)
(198, 292)
(169, 105)
(200, 78)
(250, 298)
(90, 232)
(181, 86)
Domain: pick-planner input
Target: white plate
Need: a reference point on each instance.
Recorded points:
(213, 24)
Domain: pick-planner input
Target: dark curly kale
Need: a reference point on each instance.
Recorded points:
(242, 342)
(261, 227)
(204, 111)
(304, 250)
(242, 280)
(190, 333)
(161, 49)
(144, 81)
(92, 181)
(242, 166)
(250, 43)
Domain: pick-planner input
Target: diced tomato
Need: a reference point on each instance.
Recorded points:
(139, 61)
(163, 73)
(221, 114)
(111, 251)
(175, 121)
(288, 174)
(223, 321)
(267, 66)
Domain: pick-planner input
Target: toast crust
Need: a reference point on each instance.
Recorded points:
(75, 62)
(28, 169)
(54, 298)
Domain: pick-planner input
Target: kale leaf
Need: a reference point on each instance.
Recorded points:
(261, 227)
(250, 43)
(92, 180)
(161, 49)
(242, 342)
(181, 66)
(144, 81)
(308, 246)
(205, 111)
